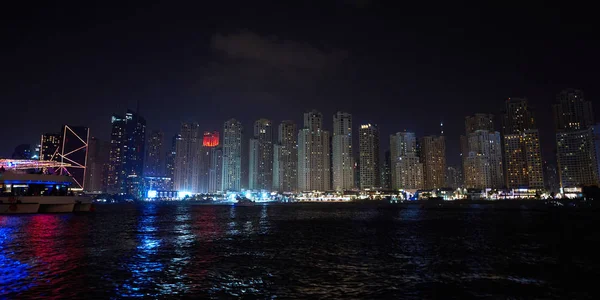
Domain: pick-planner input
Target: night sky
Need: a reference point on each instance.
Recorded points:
(402, 67)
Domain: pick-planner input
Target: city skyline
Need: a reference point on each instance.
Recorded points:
(242, 66)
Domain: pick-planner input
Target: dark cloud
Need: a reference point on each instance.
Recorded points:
(261, 71)
(276, 53)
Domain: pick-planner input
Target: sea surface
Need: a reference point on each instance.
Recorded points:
(307, 251)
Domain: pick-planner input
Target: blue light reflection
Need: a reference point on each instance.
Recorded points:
(12, 272)
(144, 266)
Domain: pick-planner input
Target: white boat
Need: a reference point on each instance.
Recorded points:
(22, 193)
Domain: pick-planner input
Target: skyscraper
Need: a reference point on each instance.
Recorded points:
(407, 170)
(285, 158)
(116, 173)
(483, 165)
(314, 161)
(576, 153)
(170, 159)
(454, 177)
(154, 156)
(433, 156)
(522, 153)
(134, 150)
(572, 112)
(368, 142)
(50, 146)
(232, 155)
(186, 177)
(342, 161)
(215, 172)
(479, 122)
(261, 156)
(386, 171)
(210, 140)
(97, 165)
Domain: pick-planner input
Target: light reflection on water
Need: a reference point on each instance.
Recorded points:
(296, 251)
(12, 271)
(144, 267)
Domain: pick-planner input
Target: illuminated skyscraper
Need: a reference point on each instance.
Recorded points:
(170, 159)
(522, 152)
(50, 146)
(210, 140)
(215, 171)
(261, 156)
(116, 173)
(285, 158)
(576, 152)
(368, 143)
(342, 161)
(314, 161)
(433, 156)
(483, 165)
(126, 160)
(407, 170)
(154, 156)
(232, 155)
(187, 159)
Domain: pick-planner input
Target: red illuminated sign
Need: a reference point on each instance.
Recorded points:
(211, 139)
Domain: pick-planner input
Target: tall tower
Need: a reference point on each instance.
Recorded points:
(261, 156)
(285, 158)
(368, 143)
(116, 173)
(483, 165)
(210, 140)
(522, 152)
(216, 169)
(186, 177)
(154, 155)
(232, 155)
(576, 153)
(407, 170)
(97, 163)
(126, 161)
(342, 162)
(314, 171)
(433, 156)
(170, 158)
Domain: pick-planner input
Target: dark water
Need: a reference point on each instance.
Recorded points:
(299, 251)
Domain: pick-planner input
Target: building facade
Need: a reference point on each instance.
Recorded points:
(186, 177)
(232, 156)
(97, 165)
(370, 170)
(154, 155)
(285, 158)
(215, 171)
(314, 161)
(342, 159)
(210, 140)
(261, 156)
(484, 167)
(407, 169)
(522, 150)
(576, 153)
(50, 145)
(433, 156)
